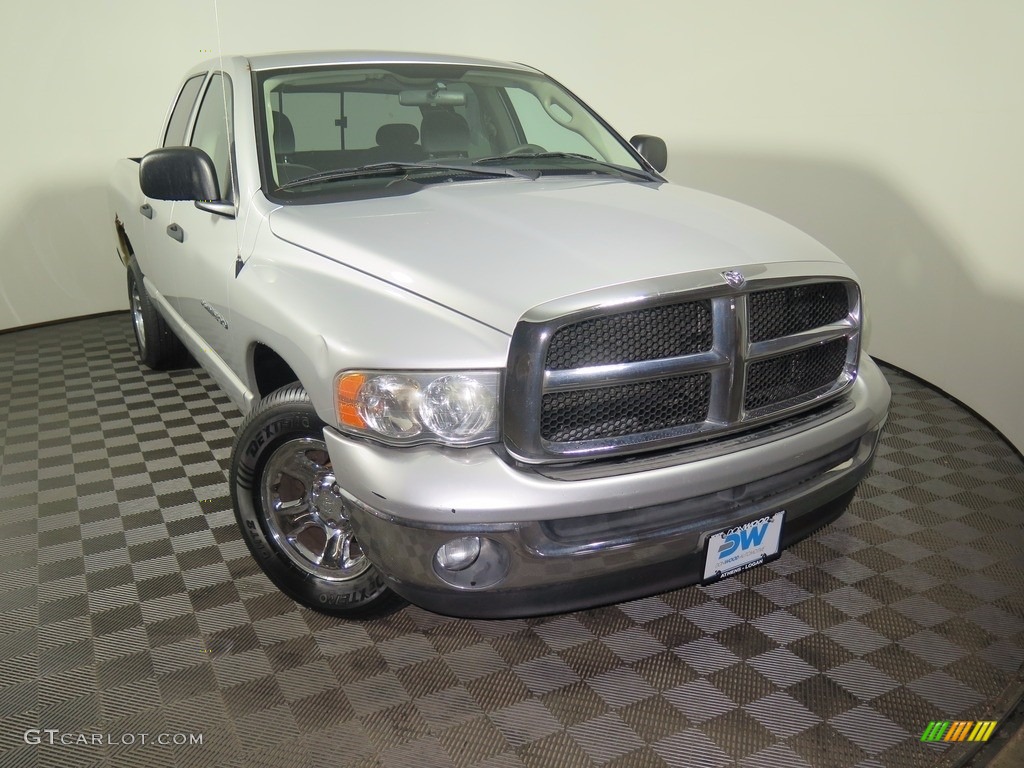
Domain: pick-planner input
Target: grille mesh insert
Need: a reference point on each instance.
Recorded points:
(783, 311)
(629, 337)
(645, 406)
(794, 375)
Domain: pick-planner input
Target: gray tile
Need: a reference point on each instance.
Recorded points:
(782, 627)
(475, 661)
(681, 750)
(524, 722)
(782, 592)
(563, 632)
(782, 714)
(782, 667)
(933, 648)
(948, 694)
(869, 730)
(633, 644)
(706, 655)
(862, 679)
(605, 737)
(851, 601)
(546, 673)
(620, 687)
(699, 700)
(712, 617)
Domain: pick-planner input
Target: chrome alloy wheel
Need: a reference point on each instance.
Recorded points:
(138, 319)
(306, 514)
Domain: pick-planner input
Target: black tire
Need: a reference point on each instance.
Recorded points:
(156, 343)
(283, 432)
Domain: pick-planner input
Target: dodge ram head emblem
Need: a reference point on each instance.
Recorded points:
(734, 278)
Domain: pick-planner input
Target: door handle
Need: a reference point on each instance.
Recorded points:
(146, 210)
(173, 230)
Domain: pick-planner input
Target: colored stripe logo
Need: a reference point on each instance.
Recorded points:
(959, 730)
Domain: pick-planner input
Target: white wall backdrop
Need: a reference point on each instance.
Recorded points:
(891, 131)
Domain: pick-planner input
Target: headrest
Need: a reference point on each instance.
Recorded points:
(397, 134)
(284, 134)
(444, 131)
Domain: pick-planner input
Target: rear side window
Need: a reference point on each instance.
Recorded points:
(212, 131)
(175, 134)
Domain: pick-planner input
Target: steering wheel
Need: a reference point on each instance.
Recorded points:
(525, 149)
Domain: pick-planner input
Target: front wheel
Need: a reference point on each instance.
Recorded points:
(291, 512)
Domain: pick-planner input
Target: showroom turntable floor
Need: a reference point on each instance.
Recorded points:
(129, 605)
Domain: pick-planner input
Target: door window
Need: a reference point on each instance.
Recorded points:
(212, 131)
(174, 136)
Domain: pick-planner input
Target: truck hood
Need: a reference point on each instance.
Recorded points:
(493, 249)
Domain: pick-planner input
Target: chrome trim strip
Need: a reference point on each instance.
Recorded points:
(608, 375)
(798, 341)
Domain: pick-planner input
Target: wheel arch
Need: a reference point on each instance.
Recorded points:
(124, 245)
(268, 370)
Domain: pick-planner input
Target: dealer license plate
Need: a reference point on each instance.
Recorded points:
(736, 549)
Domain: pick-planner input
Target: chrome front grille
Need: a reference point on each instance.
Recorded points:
(677, 366)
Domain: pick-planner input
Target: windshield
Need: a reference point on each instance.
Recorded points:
(332, 130)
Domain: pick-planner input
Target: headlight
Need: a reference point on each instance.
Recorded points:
(409, 407)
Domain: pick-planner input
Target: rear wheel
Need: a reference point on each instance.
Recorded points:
(292, 514)
(158, 347)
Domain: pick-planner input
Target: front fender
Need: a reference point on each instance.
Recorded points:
(322, 317)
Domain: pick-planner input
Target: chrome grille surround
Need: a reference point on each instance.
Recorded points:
(803, 368)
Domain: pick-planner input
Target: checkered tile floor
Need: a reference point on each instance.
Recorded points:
(130, 606)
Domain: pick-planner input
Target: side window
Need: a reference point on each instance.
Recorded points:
(212, 134)
(174, 136)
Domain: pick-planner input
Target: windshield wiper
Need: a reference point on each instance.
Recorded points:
(566, 156)
(393, 168)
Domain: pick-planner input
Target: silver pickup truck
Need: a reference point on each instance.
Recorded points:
(490, 360)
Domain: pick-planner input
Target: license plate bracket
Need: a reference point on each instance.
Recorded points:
(730, 551)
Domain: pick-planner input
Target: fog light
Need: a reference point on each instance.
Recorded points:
(458, 554)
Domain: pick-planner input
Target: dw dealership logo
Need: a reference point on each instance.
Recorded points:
(743, 539)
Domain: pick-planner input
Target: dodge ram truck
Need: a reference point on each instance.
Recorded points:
(489, 359)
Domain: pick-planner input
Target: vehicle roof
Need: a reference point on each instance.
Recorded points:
(313, 58)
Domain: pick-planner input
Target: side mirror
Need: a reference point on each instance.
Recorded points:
(653, 149)
(178, 173)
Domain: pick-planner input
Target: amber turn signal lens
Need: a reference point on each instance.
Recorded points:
(346, 394)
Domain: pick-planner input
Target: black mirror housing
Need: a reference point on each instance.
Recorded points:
(653, 149)
(178, 173)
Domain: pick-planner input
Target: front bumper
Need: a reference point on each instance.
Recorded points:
(553, 545)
